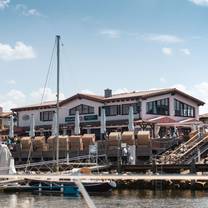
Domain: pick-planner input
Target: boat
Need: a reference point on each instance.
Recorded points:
(90, 186)
(67, 189)
(70, 188)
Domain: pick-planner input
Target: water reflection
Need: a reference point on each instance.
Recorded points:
(118, 198)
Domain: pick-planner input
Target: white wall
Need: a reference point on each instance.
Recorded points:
(121, 117)
(36, 113)
(64, 110)
(171, 106)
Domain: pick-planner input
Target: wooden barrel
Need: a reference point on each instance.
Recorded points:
(75, 143)
(113, 138)
(143, 138)
(39, 143)
(25, 143)
(88, 139)
(128, 137)
(64, 143)
(51, 143)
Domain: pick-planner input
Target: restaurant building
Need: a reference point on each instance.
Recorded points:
(150, 107)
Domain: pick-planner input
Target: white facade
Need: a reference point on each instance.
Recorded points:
(63, 113)
(190, 102)
(4, 122)
(24, 115)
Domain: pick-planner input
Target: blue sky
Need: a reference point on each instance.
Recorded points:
(120, 44)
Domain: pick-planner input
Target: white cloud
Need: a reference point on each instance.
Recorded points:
(11, 82)
(4, 4)
(111, 33)
(121, 90)
(16, 94)
(163, 38)
(87, 91)
(199, 91)
(31, 12)
(180, 87)
(18, 52)
(49, 95)
(27, 12)
(163, 80)
(185, 51)
(167, 51)
(200, 2)
(202, 88)
(11, 99)
(16, 98)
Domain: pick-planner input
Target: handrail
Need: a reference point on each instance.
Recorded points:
(193, 139)
(201, 142)
(52, 161)
(193, 147)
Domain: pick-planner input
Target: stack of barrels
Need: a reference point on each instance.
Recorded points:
(75, 143)
(87, 140)
(128, 137)
(25, 143)
(39, 144)
(113, 142)
(143, 138)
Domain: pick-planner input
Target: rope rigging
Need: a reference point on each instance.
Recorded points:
(48, 72)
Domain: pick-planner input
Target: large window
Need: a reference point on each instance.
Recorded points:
(158, 107)
(125, 108)
(183, 109)
(112, 110)
(46, 116)
(83, 109)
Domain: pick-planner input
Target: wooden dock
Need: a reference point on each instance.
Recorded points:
(58, 177)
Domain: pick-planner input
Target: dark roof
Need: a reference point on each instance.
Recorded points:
(52, 104)
(152, 93)
(84, 96)
(5, 114)
(205, 115)
(48, 104)
(115, 97)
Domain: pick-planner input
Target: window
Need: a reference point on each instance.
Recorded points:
(112, 110)
(183, 109)
(83, 109)
(125, 108)
(46, 116)
(158, 107)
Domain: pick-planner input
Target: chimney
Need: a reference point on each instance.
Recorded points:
(108, 93)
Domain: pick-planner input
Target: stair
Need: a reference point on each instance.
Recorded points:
(186, 152)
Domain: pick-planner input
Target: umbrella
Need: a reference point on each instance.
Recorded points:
(103, 121)
(77, 124)
(54, 131)
(131, 119)
(11, 127)
(32, 126)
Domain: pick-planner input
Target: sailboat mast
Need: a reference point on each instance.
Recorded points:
(57, 103)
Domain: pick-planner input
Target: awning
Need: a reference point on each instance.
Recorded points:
(161, 119)
(155, 120)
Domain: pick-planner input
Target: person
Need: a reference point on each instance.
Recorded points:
(129, 157)
(124, 156)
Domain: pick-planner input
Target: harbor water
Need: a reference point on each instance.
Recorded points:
(121, 199)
